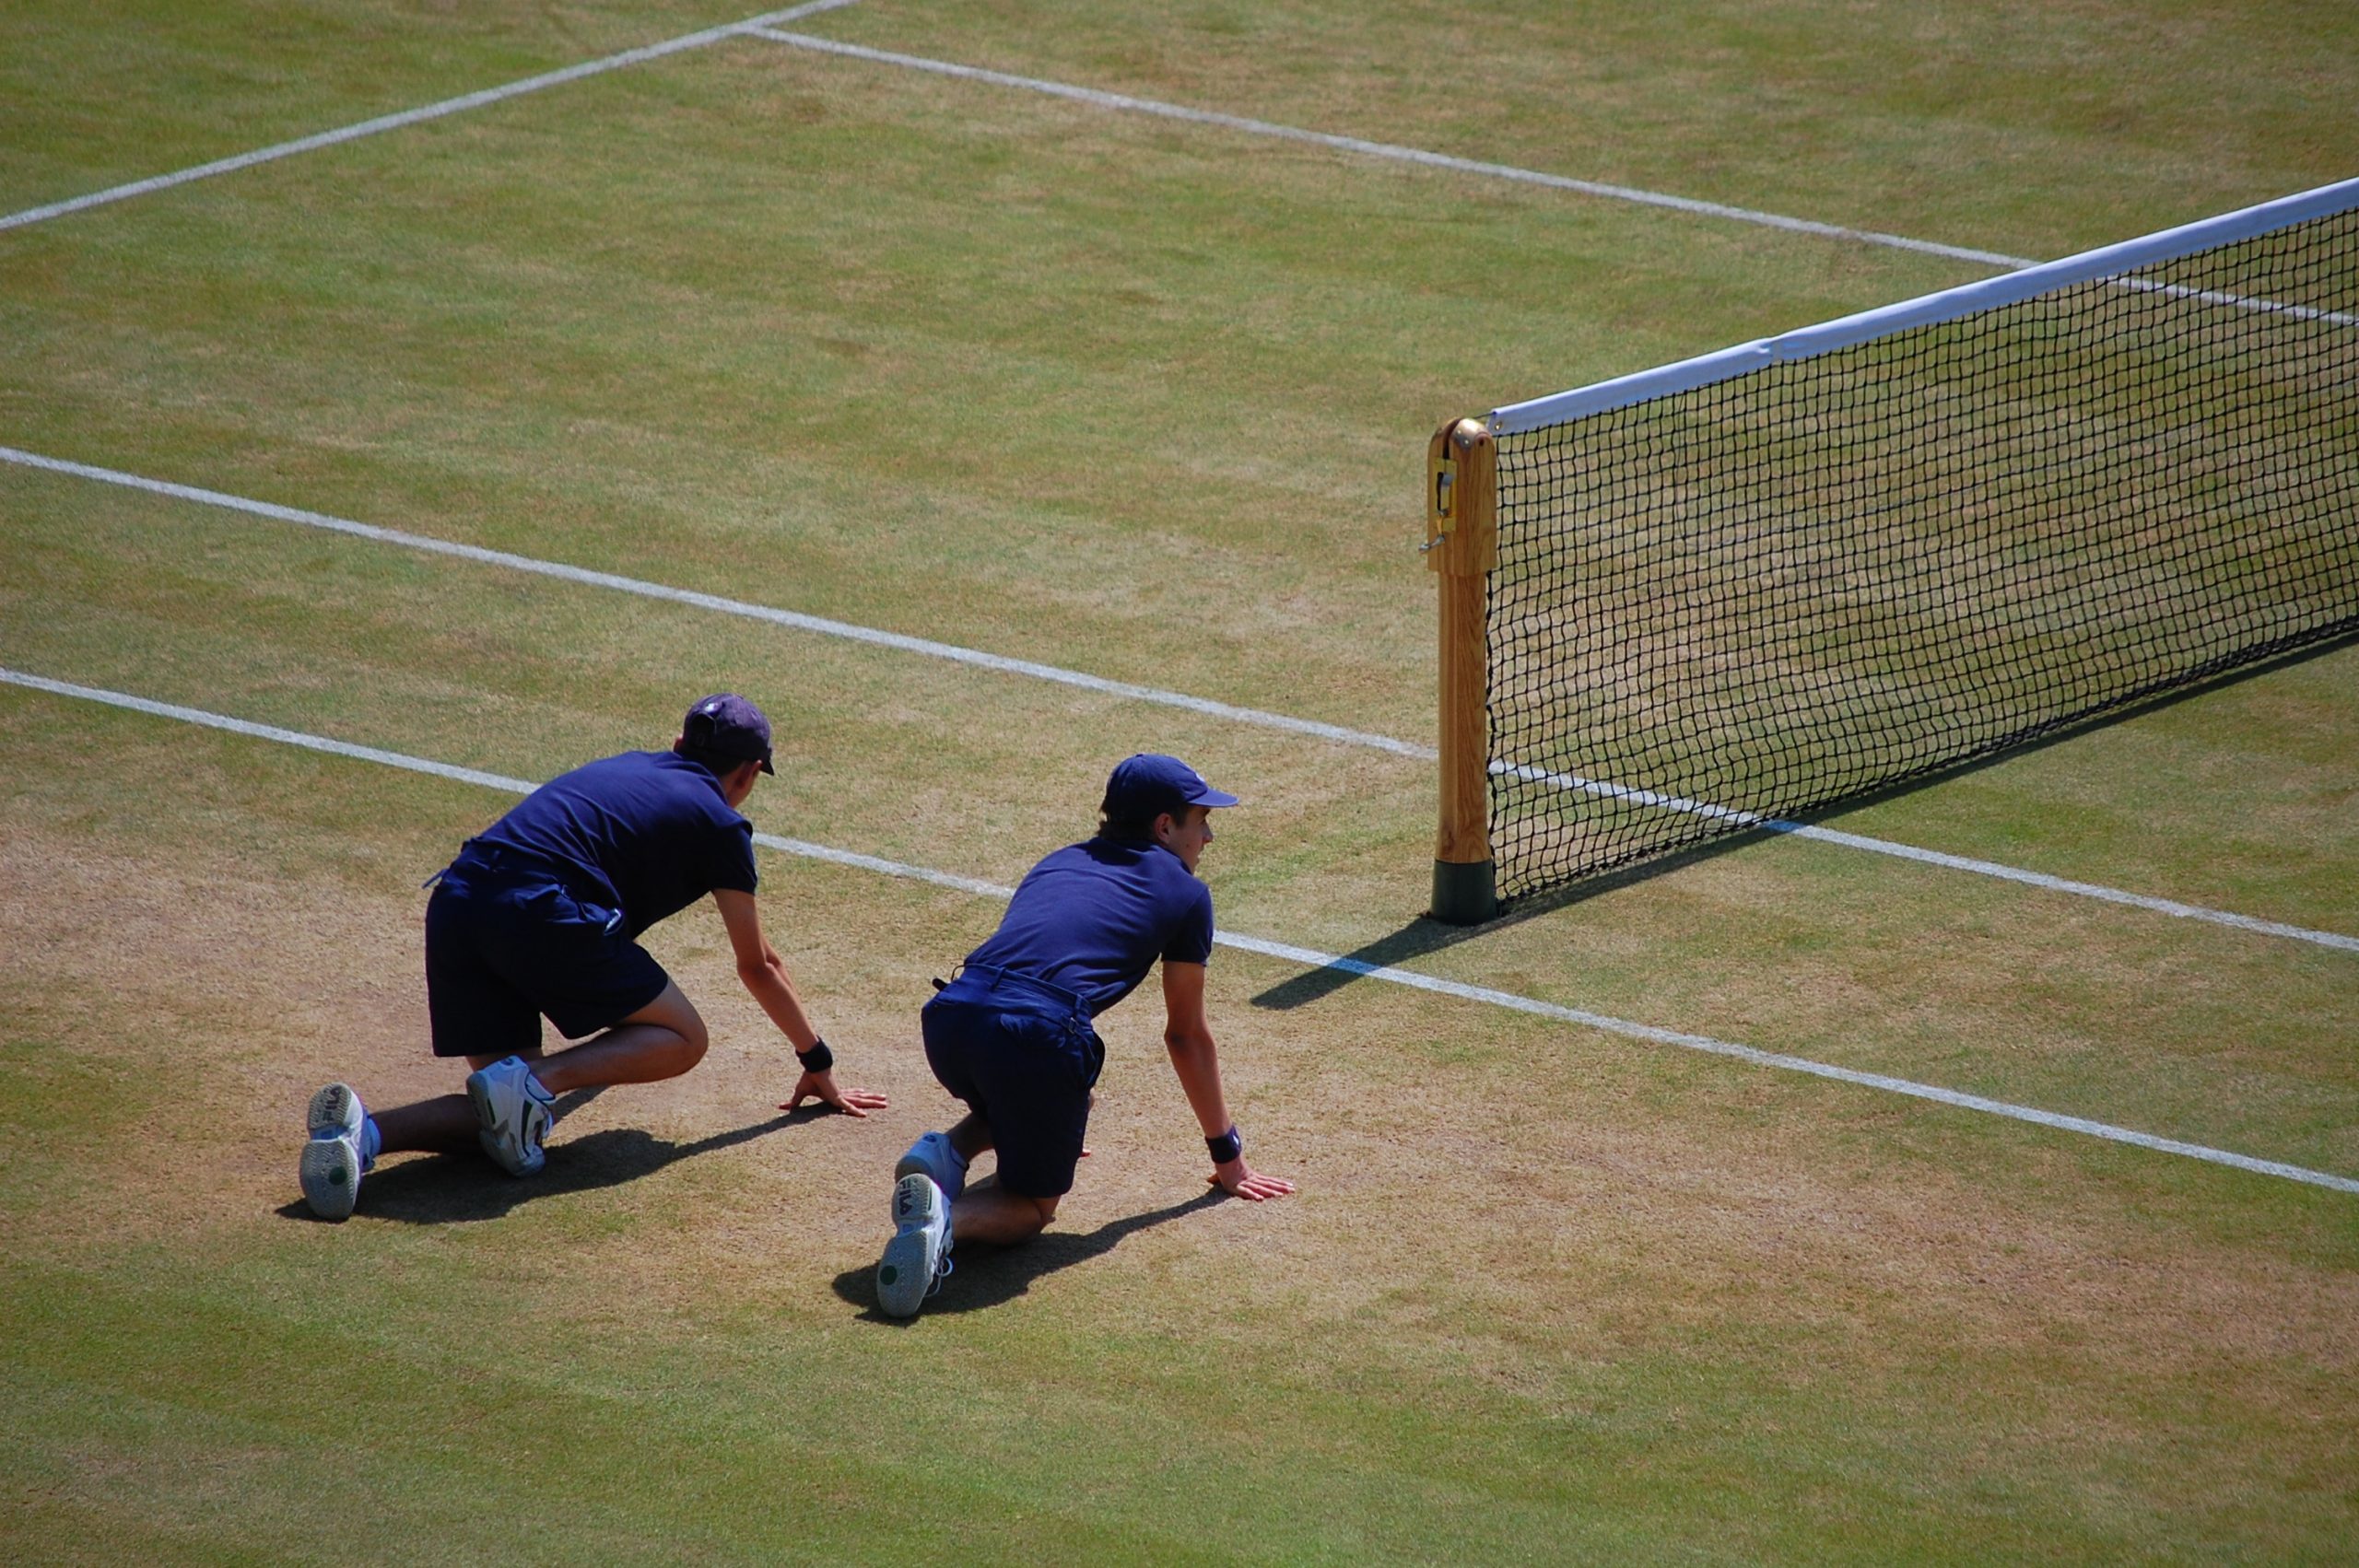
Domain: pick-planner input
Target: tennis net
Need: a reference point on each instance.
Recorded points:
(1754, 584)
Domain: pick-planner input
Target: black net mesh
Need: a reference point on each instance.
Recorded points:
(1822, 577)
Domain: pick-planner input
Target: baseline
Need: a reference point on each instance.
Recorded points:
(1124, 101)
(414, 116)
(1130, 691)
(1286, 952)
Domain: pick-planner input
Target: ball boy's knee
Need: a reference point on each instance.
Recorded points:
(692, 1041)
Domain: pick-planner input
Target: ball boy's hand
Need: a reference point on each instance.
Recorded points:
(1240, 1180)
(821, 1086)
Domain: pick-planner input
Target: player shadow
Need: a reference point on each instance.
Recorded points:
(1425, 934)
(993, 1276)
(439, 1189)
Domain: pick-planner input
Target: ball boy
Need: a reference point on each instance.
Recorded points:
(1012, 1035)
(540, 916)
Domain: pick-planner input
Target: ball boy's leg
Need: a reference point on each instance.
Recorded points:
(663, 1039)
(1002, 1218)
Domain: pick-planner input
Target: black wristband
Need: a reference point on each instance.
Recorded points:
(818, 1059)
(1226, 1147)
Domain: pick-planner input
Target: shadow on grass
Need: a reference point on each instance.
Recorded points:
(1425, 934)
(993, 1276)
(450, 1188)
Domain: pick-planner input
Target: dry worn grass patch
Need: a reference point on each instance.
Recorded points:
(1498, 1215)
(1146, 399)
(1506, 1198)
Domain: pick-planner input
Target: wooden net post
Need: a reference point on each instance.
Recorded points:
(1462, 548)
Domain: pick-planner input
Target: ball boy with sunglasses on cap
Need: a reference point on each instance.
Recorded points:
(540, 916)
(1012, 1035)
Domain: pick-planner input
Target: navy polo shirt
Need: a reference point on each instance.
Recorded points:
(646, 833)
(1094, 918)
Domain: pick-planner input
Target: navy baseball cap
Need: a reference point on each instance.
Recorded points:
(727, 725)
(1149, 784)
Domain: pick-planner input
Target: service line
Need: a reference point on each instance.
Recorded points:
(1099, 98)
(413, 116)
(1286, 952)
(1130, 691)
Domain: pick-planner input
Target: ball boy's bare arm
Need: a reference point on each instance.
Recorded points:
(764, 974)
(1190, 1040)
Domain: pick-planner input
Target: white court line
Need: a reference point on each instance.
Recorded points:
(1129, 690)
(1287, 951)
(1103, 99)
(413, 116)
(795, 619)
(1738, 819)
(1100, 98)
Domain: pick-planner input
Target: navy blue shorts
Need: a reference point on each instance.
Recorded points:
(1023, 1056)
(507, 944)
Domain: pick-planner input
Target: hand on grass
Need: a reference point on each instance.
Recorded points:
(821, 1086)
(1240, 1180)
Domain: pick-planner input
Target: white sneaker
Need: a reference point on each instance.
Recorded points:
(332, 1165)
(515, 1110)
(330, 1172)
(336, 1112)
(931, 1156)
(918, 1258)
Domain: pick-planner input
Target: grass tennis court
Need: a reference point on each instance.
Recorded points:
(1145, 398)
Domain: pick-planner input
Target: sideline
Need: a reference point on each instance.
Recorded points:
(1260, 717)
(1104, 99)
(413, 116)
(1285, 951)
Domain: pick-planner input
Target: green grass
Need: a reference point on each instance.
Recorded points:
(1147, 400)
(2036, 128)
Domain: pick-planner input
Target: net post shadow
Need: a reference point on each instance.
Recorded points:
(1426, 934)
